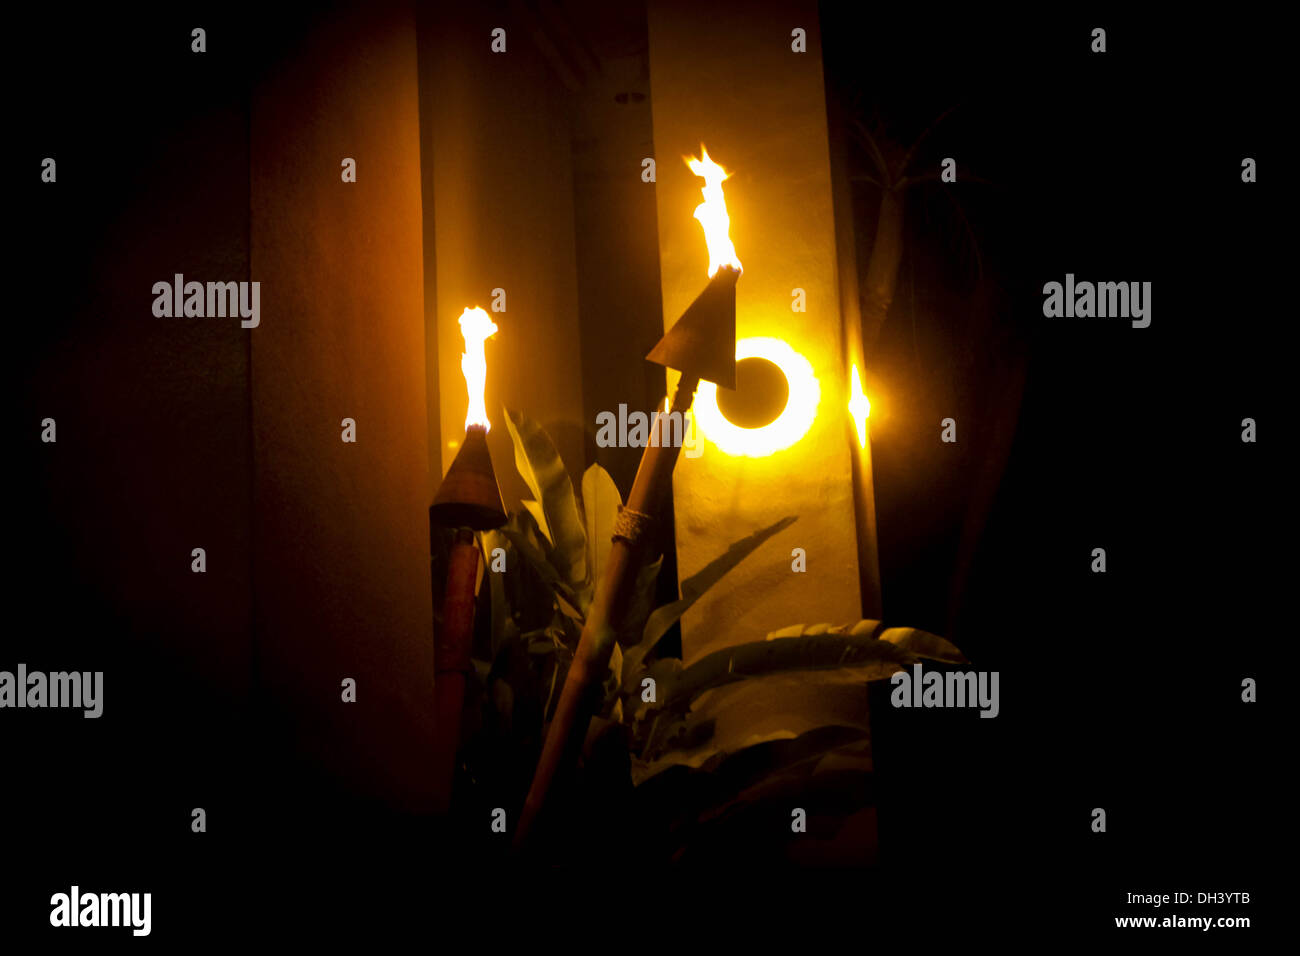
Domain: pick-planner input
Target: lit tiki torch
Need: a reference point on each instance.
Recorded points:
(701, 345)
(468, 500)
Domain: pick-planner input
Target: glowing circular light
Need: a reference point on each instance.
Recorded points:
(790, 426)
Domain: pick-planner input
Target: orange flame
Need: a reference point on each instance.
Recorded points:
(712, 213)
(477, 328)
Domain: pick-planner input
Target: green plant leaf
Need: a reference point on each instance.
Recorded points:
(600, 504)
(662, 618)
(864, 628)
(821, 655)
(759, 710)
(556, 506)
(641, 714)
(924, 644)
(568, 609)
(611, 682)
(534, 508)
(857, 658)
(529, 551)
(524, 523)
(616, 664)
(496, 583)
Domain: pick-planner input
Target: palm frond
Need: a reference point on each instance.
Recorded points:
(864, 136)
(911, 151)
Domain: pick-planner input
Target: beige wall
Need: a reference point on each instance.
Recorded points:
(760, 110)
(341, 534)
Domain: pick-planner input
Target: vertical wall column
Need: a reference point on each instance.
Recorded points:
(855, 355)
(341, 531)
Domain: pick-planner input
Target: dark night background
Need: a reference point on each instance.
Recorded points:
(1119, 691)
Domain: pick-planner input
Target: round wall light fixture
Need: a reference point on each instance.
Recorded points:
(772, 407)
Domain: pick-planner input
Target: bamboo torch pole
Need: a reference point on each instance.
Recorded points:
(451, 662)
(468, 500)
(591, 659)
(701, 345)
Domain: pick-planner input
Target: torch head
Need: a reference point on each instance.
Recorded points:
(469, 496)
(703, 341)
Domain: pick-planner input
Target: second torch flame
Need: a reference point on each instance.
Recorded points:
(477, 328)
(712, 213)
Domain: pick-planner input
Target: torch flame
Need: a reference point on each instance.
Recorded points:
(712, 213)
(477, 328)
(859, 407)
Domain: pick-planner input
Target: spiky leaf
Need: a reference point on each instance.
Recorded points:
(555, 506)
(696, 585)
